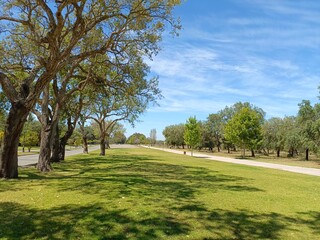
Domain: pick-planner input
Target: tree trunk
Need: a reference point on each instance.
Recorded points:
(102, 147)
(62, 149)
(44, 164)
(85, 144)
(278, 152)
(107, 143)
(307, 154)
(9, 149)
(252, 153)
(55, 145)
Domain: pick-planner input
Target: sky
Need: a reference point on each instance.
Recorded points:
(263, 52)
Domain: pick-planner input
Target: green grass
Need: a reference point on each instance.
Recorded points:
(147, 194)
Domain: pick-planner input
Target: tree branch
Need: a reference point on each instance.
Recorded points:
(8, 88)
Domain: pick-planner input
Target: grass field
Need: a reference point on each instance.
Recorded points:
(148, 194)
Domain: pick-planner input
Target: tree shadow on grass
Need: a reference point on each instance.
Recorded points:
(82, 222)
(243, 224)
(95, 221)
(139, 176)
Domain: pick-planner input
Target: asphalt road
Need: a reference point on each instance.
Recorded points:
(302, 170)
(29, 160)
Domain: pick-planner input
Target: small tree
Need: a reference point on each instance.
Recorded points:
(137, 138)
(192, 134)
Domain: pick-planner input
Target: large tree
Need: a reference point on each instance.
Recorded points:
(153, 136)
(274, 135)
(39, 38)
(308, 120)
(244, 129)
(174, 135)
(215, 125)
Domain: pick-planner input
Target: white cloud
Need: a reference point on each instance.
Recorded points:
(239, 59)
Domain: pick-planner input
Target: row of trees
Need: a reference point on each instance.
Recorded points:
(31, 134)
(70, 61)
(244, 126)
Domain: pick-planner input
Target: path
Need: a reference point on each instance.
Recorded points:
(302, 170)
(28, 160)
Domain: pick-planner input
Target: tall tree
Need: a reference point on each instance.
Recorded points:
(153, 136)
(274, 134)
(192, 134)
(39, 38)
(215, 125)
(308, 119)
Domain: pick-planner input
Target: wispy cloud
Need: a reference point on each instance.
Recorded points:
(218, 61)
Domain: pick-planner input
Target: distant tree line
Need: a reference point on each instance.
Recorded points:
(243, 126)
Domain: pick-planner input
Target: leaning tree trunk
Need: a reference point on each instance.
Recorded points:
(62, 145)
(85, 144)
(9, 149)
(48, 125)
(44, 164)
(65, 138)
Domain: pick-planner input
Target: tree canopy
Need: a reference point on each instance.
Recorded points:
(42, 40)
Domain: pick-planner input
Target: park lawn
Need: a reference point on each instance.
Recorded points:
(149, 194)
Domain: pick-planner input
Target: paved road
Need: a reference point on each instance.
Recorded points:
(28, 160)
(303, 170)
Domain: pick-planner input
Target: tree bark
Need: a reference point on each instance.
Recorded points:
(44, 164)
(48, 126)
(55, 145)
(307, 154)
(63, 142)
(252, 153)
(9, 150)
(102, 147)
(85, 144)
(278, 152)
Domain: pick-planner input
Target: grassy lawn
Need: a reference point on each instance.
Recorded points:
(148, 194)
(34, 150)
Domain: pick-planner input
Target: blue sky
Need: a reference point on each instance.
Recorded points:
(263, 52)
